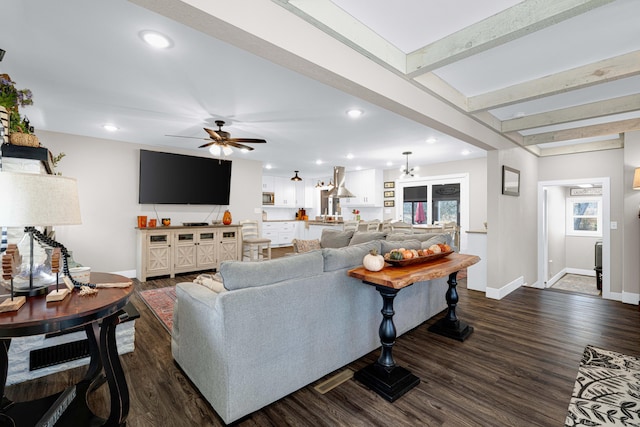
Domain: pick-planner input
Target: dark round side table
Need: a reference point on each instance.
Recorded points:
(99, 314)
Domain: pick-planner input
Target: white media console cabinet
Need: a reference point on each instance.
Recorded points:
(183, 249)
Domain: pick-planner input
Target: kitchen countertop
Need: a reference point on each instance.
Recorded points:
(309, 222)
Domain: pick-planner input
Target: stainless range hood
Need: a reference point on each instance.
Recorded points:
(339, 190)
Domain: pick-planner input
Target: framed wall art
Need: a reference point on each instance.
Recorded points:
(510, 181)
(389, 203)
(389, 184)
(388, 194)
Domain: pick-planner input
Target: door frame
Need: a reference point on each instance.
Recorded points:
(543, 237)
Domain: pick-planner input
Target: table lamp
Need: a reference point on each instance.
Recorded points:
(34, 200)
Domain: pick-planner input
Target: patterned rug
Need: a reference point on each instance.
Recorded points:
(161, 301)
(607, 390)
(577, 283)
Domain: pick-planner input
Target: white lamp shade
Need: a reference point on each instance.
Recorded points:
(636, 179)
(28, 199)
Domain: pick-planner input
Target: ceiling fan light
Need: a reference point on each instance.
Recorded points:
(227, 150)
(215, 150)
(296, 177)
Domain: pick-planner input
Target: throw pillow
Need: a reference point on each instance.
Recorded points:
(441, 238)
(300, 246)
(366, 236)
(335, 238)
(386, 245)
(212, 282)
(348, 256)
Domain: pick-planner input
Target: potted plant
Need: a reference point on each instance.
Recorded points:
(18, 128)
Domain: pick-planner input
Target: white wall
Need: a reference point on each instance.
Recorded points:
(512, 229)
(107, 174)
(556, 207)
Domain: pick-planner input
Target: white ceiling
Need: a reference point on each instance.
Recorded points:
(86, 65)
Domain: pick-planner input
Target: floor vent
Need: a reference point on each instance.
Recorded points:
(49, 356)
(334, 381)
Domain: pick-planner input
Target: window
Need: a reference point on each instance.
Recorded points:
(584, 216)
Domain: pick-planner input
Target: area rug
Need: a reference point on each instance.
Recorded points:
(606, 391)
(161, 302)
(577, 283)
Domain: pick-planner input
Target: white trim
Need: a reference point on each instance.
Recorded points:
(499, 293)
(630, 298)
(580, 271)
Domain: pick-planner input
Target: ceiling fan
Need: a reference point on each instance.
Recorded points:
(221, 140)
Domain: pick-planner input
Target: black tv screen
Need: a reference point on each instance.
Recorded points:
(167, 178)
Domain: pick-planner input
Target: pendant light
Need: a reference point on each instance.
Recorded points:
(296, 177)
(406, 172)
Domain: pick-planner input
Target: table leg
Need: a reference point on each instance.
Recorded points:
(384, 376)
(450, 326)
(118, 389)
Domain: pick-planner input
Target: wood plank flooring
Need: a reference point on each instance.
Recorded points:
(517, 369)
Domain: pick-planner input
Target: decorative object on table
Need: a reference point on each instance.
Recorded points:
(152, 223)
(21, 131)
(11, 262)
(226, 217)
(389, 194)
(31, 200)
(166, 222)
(510, 181)
(11, 99)
(142, 221)
(58, 294)
(389, 184)
(373, 261)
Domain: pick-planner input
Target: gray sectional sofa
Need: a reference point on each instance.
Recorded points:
(285, 323)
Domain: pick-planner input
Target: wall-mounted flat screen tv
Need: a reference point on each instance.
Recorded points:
(167, 178)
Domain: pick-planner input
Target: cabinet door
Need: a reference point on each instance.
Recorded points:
(206, 249)
(284, 191)
(268, 184)
(184, 247)
(228, 246)
(158, 254)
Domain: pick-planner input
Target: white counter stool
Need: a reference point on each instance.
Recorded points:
(253, 245)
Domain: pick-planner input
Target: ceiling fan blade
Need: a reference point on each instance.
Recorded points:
(247, 140)
(190, 137)
(207, 144)
(213, 134)
(235, 144)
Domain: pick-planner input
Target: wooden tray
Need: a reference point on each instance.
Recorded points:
(417, 260)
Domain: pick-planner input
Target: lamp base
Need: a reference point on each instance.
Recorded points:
(12, 304)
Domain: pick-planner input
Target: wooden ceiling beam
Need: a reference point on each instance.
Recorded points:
(615, 68)
(583, 132)
(608, 144)
(517, 21)
(623, 104)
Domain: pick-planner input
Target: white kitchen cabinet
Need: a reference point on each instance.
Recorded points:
(366, 185)
(281, 233)
(285, 192)
(268, 184)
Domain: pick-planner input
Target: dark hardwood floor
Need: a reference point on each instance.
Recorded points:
(517, 369)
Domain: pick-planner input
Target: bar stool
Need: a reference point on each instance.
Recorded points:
(253, 245)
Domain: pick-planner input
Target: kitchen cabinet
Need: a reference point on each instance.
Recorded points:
(367, 186)
(268, 185)
(281, 233)
(285, 192)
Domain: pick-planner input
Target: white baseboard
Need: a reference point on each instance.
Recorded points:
(580, 271)
(499, 293)
(630, 298)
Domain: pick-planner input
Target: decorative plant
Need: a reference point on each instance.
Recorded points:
(55, 160)
(18, 123)
(12, 98)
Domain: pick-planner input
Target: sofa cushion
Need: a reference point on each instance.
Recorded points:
(413, 236)
(300, 246)
(366, 236)
(335, 238)
(349, 256)
(386, 245)
(239, 274)
(441, 238)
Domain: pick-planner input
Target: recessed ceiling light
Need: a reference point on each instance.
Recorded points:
(355, 113)
(155, 39)
(268, 166)
(389, 163)
(466, 152)
(431, 140)
(349, 156)
(318, 162)
(110, 127)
